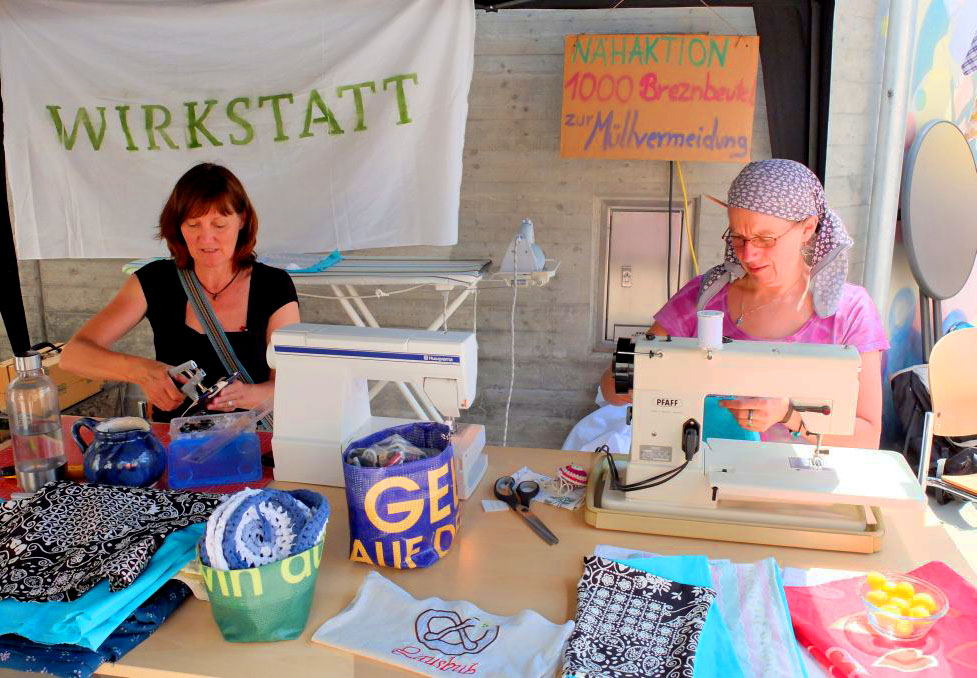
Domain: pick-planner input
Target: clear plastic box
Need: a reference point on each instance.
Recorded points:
(213, 449)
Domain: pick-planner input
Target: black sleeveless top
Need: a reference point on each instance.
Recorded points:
(176, 343)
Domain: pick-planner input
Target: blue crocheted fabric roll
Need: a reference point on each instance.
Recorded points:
(257, 527)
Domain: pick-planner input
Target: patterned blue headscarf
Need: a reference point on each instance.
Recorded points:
(789, 190)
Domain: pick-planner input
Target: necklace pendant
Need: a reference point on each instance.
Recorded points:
(739, 321)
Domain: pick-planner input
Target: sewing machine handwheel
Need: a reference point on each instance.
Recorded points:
(622, 365)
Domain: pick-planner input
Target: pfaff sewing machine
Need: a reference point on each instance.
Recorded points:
(322, 402)
(793, 494)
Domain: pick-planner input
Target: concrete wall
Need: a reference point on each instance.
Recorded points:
(512, 169)
(856, 85)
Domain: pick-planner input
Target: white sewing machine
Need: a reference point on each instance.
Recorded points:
(775, 493)
(322, 402)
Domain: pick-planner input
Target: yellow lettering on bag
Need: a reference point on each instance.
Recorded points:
(437, 491)
(306, 570)
(378, 547)
(410, 545)
(317, 553)
(208, 577)
(412, 508)
(358, 554)
(454, 482)
(437, 539)
(223, 583)
(256, 589)
(397, 554)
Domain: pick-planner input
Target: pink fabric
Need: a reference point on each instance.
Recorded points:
(856, 322)
(830, 621)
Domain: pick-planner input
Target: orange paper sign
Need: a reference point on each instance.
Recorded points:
(659, 97)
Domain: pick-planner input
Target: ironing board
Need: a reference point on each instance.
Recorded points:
(347, 276)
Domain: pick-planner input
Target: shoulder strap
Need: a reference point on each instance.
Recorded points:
(208, 320)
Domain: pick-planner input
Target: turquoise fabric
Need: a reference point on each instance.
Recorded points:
(715, 655)
(718, 422)
(92, 618)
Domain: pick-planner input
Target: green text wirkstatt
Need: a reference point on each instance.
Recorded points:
(213, 122)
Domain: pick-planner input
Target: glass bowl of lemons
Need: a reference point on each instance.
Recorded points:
(901, 607)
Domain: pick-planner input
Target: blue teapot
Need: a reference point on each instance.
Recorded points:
(124, 452)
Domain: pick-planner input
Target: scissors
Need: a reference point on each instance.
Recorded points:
(518, 498)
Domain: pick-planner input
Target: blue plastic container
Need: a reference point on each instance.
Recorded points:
(194, 461)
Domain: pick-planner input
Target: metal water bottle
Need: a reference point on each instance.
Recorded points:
(35, 424)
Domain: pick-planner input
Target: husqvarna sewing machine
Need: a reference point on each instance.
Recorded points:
(322, 402)
(790, 494)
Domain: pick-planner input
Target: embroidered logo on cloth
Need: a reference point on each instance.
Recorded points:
(631, 623)
(446, 632)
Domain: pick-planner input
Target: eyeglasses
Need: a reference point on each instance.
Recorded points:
(738, 242)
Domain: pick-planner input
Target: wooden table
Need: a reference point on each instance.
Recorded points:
(496, 563)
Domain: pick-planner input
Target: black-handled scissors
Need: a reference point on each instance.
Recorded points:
(518, 498)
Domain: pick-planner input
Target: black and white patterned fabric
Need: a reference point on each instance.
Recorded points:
(632, 624)
(789, 190)
(66, 538)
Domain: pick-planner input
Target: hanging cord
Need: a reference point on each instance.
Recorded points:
(688, 228)
(678, 277)
(444, 314)
(721, 17)
(512, 349)
(668, 268)
(475, 311)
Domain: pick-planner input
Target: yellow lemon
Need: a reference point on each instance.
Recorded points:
(905, 590)
(877, 598)
(918, 611)
(889, 587)
(875, 580)
(924, 600)
(887, 616)
(904, 628)
(889, 608)
(900, 603)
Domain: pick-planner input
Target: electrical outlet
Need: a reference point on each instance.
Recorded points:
(626, 278)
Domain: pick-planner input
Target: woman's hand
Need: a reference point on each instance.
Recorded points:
(242, 396)
(160, 389)
(757, 414)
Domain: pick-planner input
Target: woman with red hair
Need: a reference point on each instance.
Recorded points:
(210, 228)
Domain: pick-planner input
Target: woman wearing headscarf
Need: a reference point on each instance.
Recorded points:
(783, 278)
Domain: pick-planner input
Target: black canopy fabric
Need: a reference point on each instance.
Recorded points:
(787, 28)
(11, 302)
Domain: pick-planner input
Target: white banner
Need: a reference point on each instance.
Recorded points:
(344, 119)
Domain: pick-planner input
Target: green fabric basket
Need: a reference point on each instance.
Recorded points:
(267, 603)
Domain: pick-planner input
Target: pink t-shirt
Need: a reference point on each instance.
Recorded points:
(855, 323)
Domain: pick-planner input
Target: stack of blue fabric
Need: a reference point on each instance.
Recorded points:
(74, 638)
(85, 571)
(748, 630)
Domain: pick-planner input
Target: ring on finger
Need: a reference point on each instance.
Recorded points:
(749, 417)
